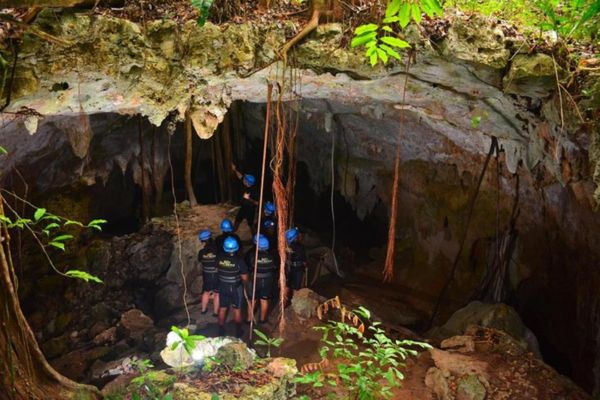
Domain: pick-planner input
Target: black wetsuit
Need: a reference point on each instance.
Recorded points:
(296, 265)
(208, 258)
(248, 210)
(265, 272)
(230, 267)
(219, 240)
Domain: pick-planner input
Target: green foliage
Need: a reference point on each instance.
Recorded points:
(184, 338)
(147, 386)
(264, 340)
(578, 18)
(369, 364)
(203, 7)
(380, 41)
(45, 228)
(475, 121)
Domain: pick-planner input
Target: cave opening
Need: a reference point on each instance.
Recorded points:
(110, 186)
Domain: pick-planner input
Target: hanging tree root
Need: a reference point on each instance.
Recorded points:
(319, 9)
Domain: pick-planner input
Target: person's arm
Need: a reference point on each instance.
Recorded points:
(236, 172)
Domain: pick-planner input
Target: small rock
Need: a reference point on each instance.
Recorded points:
(470, 388)
(56, 347)
(108, 336)
(436, 381)
(282, 367)
(236, 355)
(305, 303)
(135, 323)
(462, 344)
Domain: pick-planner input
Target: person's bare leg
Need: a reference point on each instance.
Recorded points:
(222, 315)
(250, 310)
(264, 309)
(216, 303)
(205, 298)
(237, 317)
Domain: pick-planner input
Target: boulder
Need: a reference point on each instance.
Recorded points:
(236, 356)
(462, 344)
(305, 303)
(498, 316)
(168, 299)
(459, 364)
(135, 323)
(189, 256)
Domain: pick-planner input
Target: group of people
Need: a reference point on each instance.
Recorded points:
(228, 272)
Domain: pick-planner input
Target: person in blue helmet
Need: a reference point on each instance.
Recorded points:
(265, 277)
(226, 231)
(249, 200)
(210, 282)
(232, 272)
(269, 228)
(296, 260)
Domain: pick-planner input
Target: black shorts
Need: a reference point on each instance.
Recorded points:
(294, 278)
(245, 213)
(230, 295)
(264, 288)
(210, 282)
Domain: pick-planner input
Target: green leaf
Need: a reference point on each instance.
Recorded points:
(404, 15)
(395, 42)
(69, 222)
(261, 335)
(5, 219)
(382, 56)
(392, 8)
(58, 245)
(373, 59)
(51, 217)
(3, 151)
(475, 121)
(362, 29)
(371, 50)
(62, 238)
(416, 13)
(391, 20)
(391, 52)
(360, 40)
(73, 273)
(52, 225)
(39, 213)
(387, 28)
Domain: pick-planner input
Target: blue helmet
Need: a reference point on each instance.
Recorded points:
(269, 208)
(250, 179)
(226, 226)
(263, 243)
(269, 224)
(204, 235)
(230, 245)
(291, 235)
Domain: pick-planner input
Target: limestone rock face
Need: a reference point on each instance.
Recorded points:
(531, 76)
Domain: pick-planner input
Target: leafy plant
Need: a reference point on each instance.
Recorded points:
(147, 384)
(369, 364)
(183, 337)
(203, 7)
(380, 41)
(264, 340)
(45, 228)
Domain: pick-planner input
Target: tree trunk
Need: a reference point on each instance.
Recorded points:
(188, 161)
(24, 371)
